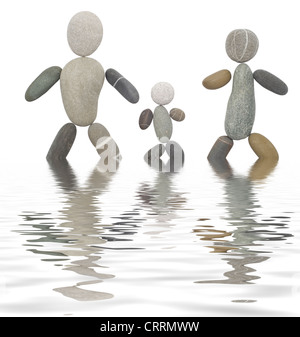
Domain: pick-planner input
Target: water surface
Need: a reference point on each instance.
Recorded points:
(203, 241)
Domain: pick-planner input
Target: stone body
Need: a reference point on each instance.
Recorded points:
(240, 112)
(217, 80)
(162, 124)
(81, 82)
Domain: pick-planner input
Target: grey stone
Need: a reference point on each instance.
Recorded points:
(177, 114)
(270, 82)
(122, 85)
(221, 148)
(162, 93)
(43, 83)
(145, 119)
(84, 33)
(62, 143)
(81, 82)
(241, 45)
(240, 113)
(97, 131)
(162, 124)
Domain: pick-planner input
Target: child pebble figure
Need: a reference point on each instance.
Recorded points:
(162, 94)
(81, 81)
(242, 46)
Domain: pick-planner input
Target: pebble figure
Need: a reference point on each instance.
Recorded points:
(242, 46)
(81, 81)
(162, 94)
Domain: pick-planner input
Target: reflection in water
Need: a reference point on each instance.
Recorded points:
(73, 244)
(160, 200)
(240, 246)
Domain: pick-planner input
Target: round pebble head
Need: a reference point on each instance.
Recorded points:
(162, 93)
(241, 45)
(85, 33)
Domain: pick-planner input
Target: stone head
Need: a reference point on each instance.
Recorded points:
(84, 33)
(162, 93)
(241, 45)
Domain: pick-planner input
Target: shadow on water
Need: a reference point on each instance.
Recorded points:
(244, 244)
(75, 239)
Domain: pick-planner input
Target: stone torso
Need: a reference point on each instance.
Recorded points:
(81, 82)
(240, 112)
(162, 124)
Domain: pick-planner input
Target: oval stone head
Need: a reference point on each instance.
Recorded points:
(162, 93)
(84, 33)
(241, 45)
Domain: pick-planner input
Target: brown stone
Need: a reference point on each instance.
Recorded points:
(262, 147)
(145, 119)
(177, 114)
(217, 80)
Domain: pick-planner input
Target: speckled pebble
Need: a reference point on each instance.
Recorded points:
(217, 80)
(162, 93)
(84, 33)
(43, 83)
(270, 82)
(145, 119)
(241, 45)
(262, 147)
(81, 82)
(162, 124)
(177, 114)
(240, 112)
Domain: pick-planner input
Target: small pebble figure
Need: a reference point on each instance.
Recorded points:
(81, 81)
(162, 94)
(242, 46)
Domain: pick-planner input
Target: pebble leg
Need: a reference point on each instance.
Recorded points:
(62, 143)
(220, 149)
(262, 147)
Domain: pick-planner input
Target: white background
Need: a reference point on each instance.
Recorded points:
(177, 41)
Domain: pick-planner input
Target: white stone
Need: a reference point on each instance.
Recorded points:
(162, 93)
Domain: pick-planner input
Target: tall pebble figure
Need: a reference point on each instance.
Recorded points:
(81, 81)
(242, 46)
